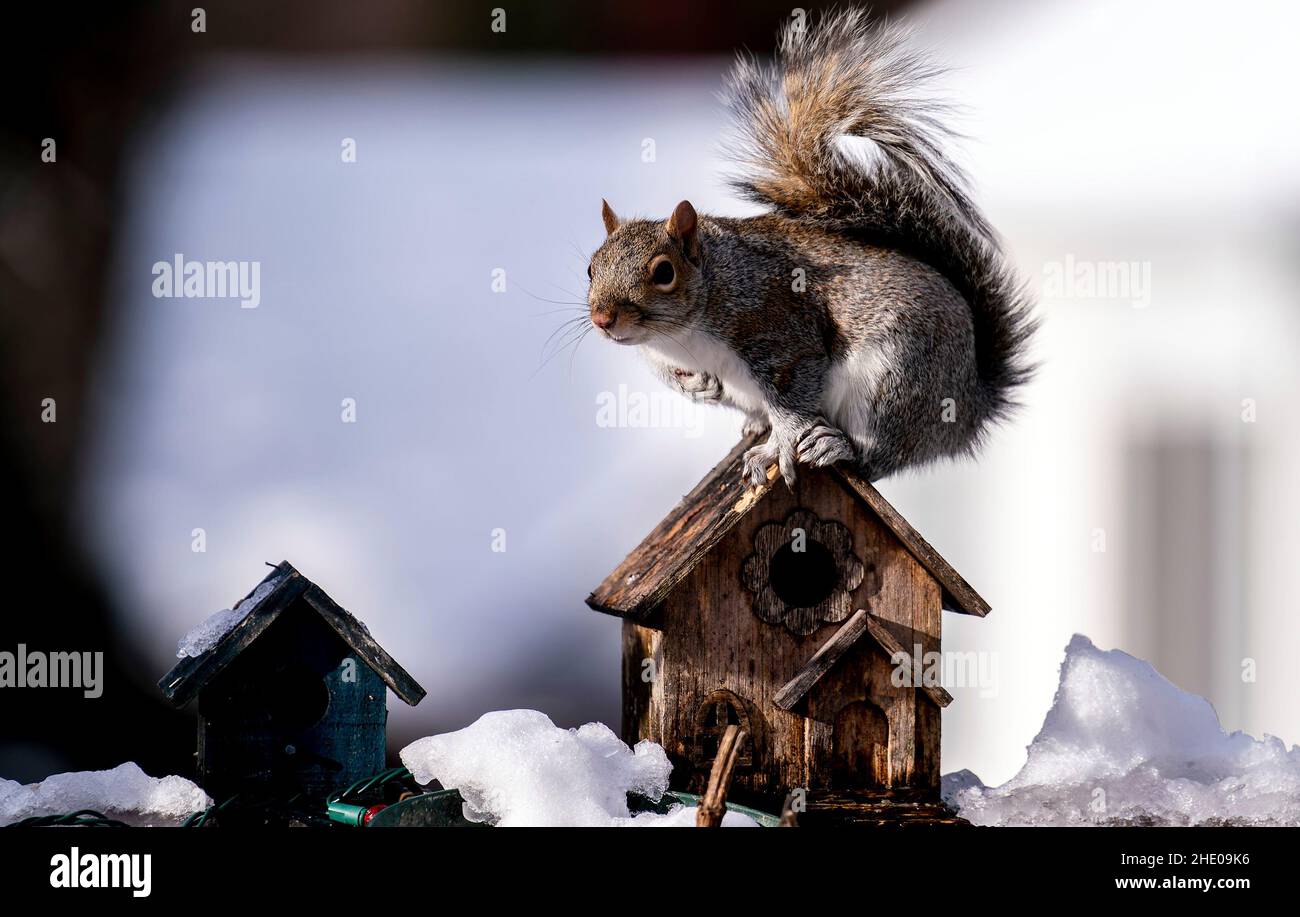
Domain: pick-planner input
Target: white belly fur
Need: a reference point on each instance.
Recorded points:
(846, 401)
(701, 353)
(849, 386)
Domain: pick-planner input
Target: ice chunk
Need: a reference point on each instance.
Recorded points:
(516, 767)
(209, 633)
(126, 793)
(1123, 745)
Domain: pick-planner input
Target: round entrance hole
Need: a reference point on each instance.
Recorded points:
(803, 579)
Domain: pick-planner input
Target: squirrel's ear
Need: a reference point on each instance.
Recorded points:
(683, 226)
(609, 216)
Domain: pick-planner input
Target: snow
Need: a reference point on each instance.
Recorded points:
(517, 768)
(1123, 745)
(126, 793)
(684, 817)
(209, 633)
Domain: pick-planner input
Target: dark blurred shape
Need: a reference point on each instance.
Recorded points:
(1186, 556)
(85, 77)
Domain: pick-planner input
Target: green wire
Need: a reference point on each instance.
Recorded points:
(369, 783)
(82, 818)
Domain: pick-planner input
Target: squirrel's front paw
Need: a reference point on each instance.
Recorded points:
(760, 458)
(698, 386)
(823, 444)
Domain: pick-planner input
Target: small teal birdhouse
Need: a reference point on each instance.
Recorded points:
(291, 699)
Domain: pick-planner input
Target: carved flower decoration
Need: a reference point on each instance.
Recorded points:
(803, 572)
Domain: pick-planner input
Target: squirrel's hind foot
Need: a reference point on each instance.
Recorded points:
(818, 445)
(823, 444)
(757, 460)
(774, 450)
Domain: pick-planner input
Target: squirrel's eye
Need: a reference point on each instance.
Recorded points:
(589, 277)
(663, 275)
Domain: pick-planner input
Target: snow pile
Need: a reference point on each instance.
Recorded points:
(125, 793)
(209, 633)
(1123, 745)
(517, 768)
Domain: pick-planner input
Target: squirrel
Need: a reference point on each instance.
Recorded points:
(868, 316)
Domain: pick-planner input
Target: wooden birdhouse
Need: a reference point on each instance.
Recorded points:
(796, 614)
(292, 698)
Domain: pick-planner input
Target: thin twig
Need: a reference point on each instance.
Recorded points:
(713, 805)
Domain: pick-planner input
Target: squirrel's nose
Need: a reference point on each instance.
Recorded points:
(604, 319)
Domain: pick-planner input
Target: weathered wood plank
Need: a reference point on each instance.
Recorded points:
(891, 645)
(884, 808)
(821, 662)
(641, 664)
(664, 557)
(927, 630)
(358, 637)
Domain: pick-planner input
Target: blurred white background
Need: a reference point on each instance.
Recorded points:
(1149, 134)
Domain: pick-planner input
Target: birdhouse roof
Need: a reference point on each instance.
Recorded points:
(862, 624)
(287, 585)
(705, 515)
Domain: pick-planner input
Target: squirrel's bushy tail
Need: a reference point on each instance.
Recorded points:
(837, 130)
